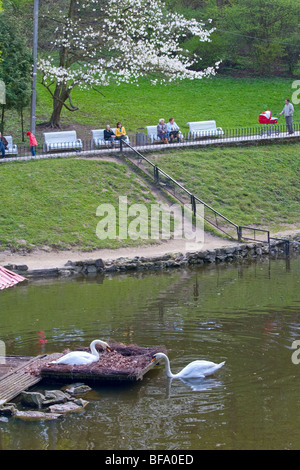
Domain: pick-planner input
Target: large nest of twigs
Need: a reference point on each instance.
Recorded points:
(129, 350)
(122, 363)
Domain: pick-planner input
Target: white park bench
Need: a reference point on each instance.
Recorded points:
(61, 141)
(204, 129)
(98, 138)
(152, 134)
(12, 149)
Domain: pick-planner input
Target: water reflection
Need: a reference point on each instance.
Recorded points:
(247, 315)
(202, 385)
(196, 384)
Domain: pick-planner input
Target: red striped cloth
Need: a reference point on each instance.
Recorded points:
(8, 278)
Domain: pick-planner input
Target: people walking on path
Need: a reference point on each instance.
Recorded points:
(32, 142)
(288, 112)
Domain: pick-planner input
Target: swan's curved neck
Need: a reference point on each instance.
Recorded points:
(167, 366)
(93, 348)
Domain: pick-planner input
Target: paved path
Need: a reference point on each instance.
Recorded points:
(283, 136)
(43, 259)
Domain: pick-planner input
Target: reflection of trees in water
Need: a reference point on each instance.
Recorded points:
(174, 291)
(197, 295)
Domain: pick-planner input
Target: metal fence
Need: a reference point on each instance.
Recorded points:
(211, 216)
(141, 141)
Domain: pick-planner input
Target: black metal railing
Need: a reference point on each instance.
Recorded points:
(184, 196)
(141, 141)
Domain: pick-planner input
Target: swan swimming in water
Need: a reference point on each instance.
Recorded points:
(81, 357)
(193, 370)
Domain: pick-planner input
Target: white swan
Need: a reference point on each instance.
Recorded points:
(193, 370)
(81, 357)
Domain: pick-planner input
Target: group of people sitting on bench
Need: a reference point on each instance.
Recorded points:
(169, 132)
(118, 134)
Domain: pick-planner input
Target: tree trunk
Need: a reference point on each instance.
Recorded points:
(55, 117)
(2, 119)
(59, 97)
(22, 124)
(60, 94)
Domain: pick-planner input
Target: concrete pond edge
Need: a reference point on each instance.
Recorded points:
(239, 252)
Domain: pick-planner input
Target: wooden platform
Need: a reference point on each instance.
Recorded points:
(123, 364)
(16, 375)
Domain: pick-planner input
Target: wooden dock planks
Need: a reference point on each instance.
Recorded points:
(19, 378)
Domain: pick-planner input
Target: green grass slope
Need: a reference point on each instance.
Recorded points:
(249, 185)
(53, 202)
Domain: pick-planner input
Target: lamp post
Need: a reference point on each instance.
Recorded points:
(34, 54)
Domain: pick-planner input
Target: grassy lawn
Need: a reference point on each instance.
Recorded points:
(232, 102)
(53, 202)
(250, 185)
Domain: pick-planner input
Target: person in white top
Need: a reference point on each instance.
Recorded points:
(288, 112)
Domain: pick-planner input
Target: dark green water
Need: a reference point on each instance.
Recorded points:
(247, 315)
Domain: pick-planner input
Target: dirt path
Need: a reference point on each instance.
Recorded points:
(41, 259)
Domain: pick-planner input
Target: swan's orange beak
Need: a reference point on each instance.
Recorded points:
(108, 349)
(153, 359)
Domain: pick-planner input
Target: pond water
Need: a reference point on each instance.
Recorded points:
(247, 315)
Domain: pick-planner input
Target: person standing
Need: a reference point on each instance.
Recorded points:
(32, 143)
(288, 112)
(3, 145)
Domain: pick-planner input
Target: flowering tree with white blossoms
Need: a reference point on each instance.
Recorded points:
(104, 41)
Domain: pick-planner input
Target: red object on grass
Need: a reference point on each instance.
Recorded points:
(266, 118)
